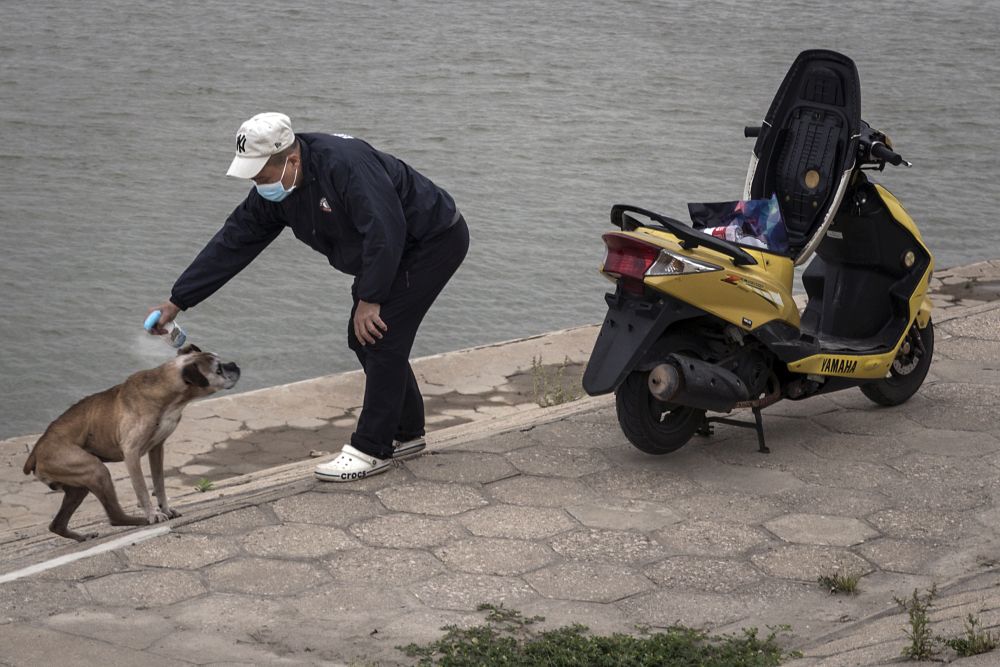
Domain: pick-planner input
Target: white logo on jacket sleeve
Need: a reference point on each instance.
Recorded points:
(343, 136)
(324, 205)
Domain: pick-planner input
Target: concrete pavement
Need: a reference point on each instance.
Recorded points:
(550, 511)
(236, 434)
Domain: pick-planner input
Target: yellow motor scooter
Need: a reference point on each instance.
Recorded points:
(700, 323)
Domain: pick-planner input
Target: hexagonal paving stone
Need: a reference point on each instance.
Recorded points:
(755, 481)
(263, 576)
(496, 444)
(665, 608)
(87, 568)
(710, 538)
(869, 420)
(340, 509)
(541, 491)
(226, 613)
(920, 524)
(624, 514)
(517, 522)
(144, 589)
(180, 550)
(656, 485)
(908, 556)
(611, 545)
(588, 581)
(814, 499)
(296, 540)
(197, 647)
(557, 461)
(483, 555)
(840, 531)
(468, 591)
(942, 495)
(582, 431)
(461, 467)
(712, 575)
(431, 498)
(406, 531)
(957, 418)
(230, 523)
(393, 477)
(30, 598)
(353, 608)
(383, 567)
(808, 563)
(131, 628)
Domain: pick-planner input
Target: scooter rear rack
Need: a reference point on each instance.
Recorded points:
(706, 428)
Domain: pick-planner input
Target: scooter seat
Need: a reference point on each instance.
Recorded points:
(807, 145)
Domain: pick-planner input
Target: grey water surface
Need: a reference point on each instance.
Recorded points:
(117, 121)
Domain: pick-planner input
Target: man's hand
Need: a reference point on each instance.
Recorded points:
(368, 326)
(168, 311)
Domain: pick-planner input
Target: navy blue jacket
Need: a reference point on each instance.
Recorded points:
(360, 207)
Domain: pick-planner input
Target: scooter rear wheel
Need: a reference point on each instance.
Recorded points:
(908, 370)
(651, 425)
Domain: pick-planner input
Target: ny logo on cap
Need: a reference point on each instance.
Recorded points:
(241, 143)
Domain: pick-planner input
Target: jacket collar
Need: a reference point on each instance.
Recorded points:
(308, 168)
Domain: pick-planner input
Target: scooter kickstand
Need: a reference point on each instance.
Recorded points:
(761, 447)
(707, 427)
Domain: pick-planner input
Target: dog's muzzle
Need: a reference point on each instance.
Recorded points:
(231, 373)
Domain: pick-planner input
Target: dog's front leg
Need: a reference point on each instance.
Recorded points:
(156, 471)
(133, 463)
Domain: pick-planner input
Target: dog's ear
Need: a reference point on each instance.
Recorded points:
(188, 349)
(192, 375)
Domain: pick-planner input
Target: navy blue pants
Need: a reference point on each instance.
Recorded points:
(393, 407)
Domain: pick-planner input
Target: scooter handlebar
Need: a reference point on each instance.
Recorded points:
(751, 131)
(882, 152)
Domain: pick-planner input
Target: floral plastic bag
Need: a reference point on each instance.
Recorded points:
(751, 222)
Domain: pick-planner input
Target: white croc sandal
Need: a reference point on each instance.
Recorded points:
(351, 465)
(408, 448)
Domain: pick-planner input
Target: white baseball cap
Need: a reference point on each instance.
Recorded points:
(257, 140)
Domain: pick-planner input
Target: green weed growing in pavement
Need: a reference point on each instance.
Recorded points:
(507, 638)
(840, 583)
(203, 485)
(550, 384)
(919, 633)
(975, 641)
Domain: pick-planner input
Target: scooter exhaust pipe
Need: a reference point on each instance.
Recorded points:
(664, 382)
(688, 381)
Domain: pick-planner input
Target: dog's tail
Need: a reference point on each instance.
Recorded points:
(29, 465)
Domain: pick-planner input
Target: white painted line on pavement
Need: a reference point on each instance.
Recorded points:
(123, 541)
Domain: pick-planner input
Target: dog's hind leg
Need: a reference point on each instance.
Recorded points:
(101, 485)
(60, 525)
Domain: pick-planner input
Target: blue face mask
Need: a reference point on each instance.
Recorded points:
(276, 191)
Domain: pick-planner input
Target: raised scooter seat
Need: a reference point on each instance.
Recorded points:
(807, 146)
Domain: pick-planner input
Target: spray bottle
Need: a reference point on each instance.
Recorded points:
(176, 337)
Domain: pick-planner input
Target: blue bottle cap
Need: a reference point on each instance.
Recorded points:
(151, 321)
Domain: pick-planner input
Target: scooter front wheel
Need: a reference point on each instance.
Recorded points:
(908, 369)
(651, 425)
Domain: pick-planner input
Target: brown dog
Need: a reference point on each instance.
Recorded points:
(123, 423)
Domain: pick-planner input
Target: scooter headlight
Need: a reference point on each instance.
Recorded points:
(670, 264)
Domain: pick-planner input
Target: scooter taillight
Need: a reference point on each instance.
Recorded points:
(628, 260)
